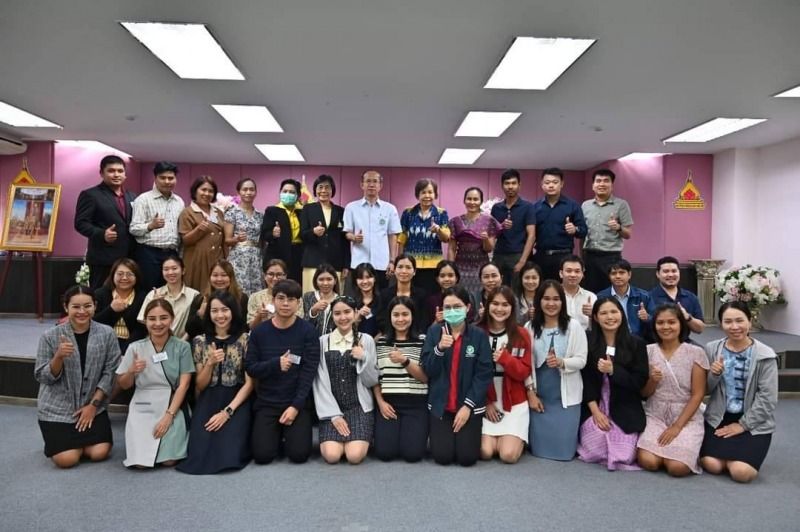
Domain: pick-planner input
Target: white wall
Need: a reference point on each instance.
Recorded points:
(735, 211)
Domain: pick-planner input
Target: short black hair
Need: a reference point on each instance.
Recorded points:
(325, 268)
(164, 166)
(604, 172)
(620, 264)
(511, 173)
(735, 305)
(237, 325)
(667, 260)
(571, 258)
(197, 183)
(422, 184)
(459, 291)
(109, 160)
(287, 287)
(294, 182)
(553, 171)
(324, 178)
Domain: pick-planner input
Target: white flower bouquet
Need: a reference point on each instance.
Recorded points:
(757, 286)
(486, 206)
(226, 202)
(82, 275)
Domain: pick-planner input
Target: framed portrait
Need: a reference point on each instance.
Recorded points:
(30, 221)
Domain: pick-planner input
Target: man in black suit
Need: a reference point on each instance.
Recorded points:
(103, 215)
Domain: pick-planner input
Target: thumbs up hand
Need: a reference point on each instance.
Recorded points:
(276, 231)
(642, 313)
(586, 308)
(613, 224)
(718, 366)
(397, 356)
(446, 341)
(433, 228)
(686, 315)
(241, 236)
(481, 310)
(110, 234)
(65, 348)
(605, 365)
(569, 227)
(215, 355)
(157, 223)
(357, 350)
(319, 230)
(655, 373)
(552, 360)
(139, 364)
(118, 304)
(286, 362)
(507, 223)
(439, 315)
(359, 238)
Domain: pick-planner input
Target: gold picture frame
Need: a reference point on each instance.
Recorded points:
(31, 215)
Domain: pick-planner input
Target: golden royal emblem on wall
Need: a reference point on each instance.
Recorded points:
(689, 197)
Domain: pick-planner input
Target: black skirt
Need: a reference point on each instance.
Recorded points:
(746, 447)
(59, 437)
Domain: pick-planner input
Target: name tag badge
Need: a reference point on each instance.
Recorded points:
(610, 351)
(160, 357)
(270, 308)
(368, 316)
(294, 359)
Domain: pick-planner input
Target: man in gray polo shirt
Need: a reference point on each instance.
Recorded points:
(609, 222)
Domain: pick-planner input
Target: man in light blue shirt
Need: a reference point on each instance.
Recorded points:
(372, 225)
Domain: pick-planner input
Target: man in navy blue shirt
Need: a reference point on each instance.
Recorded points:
(559, 221)
(518, 232)
(669, 275)
(635, 302)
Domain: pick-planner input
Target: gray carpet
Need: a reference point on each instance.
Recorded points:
(532, 495)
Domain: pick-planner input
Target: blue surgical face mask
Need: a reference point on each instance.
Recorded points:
(454, 316)
(288, 198)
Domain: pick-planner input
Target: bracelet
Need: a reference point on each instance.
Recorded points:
(531, 388)
(406, 362)
(171, 413)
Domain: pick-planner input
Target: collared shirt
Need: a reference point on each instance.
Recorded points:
(623, 300)
(180, 306)
(417, 239)
(575, 305)
(294, 221)
(630, 302)
(145, 208)
(522, 213)
(686, 299)
(338, 342)
(120, 198)
(550, 222)
(600, 236)
(377, 222)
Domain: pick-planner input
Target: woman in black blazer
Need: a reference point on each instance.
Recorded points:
(321, 226)
(280, 230)
(119, 301)
(617, 368)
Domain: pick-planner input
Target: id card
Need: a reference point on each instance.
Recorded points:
(610, 351)
(368, 316)
(160, 357)
(294, 359)
(270, 308)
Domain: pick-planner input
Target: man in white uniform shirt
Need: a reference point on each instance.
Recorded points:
(579, 300)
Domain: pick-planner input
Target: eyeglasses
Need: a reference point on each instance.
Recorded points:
(273, 275)
(128, 275)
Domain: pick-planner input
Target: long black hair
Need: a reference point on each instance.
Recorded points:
(624, 342)
(237, 325)
(537, 323)
(413, 330)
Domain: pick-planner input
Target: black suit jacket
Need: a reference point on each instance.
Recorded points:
(281, 247)
(625, 398)
(332, 247)
(96, 211)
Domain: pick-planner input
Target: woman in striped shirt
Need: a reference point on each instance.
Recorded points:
(401, 420)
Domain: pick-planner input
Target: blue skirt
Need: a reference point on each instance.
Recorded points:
(553, 434)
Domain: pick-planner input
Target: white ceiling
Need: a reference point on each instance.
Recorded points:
(386, 83)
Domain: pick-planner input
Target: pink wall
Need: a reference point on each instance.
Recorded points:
(650, 186)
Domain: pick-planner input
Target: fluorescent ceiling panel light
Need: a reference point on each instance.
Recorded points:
(281, 152)
(533, 63)
(188, 49)
(713, 129)
(14, 116)
(249, 118)
(486, 124)
(460, 156)
(638, 155)
(94, 146)
(791, 93)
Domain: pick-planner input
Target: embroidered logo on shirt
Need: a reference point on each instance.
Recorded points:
(470, 351)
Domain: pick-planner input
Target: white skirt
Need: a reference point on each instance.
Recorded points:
(514, 423)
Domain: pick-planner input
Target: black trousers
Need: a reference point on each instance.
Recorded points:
(149, 260)
(550, 263)
(268, 434)
(505, 263)
(98, 273)
(462, 447)
(407, 436)
(597, 263)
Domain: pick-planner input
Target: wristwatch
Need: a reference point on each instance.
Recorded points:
(228, 410)
(406, 362)
(96, 403)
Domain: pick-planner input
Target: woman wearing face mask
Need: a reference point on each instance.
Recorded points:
(318, 302)
(202, 229)
(321, 225)
(473, 239)
(342, 390)
(505, 425)
(401, 419)
(218, 438)
(241, 237)
(425, 229)
(525, 285)
(448, 276)
(260, 306)
(490, 279)
(280, 232)
(75, 365)
(368, 301)
(616, 371)
(160, 366)
(405, 267)
(555, 390)
(222, 278)
(743, 389)
(175, 292)
(457, 359)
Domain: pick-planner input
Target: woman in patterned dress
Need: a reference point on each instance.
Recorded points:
(472, 239)
(241, 236)
(677, 383)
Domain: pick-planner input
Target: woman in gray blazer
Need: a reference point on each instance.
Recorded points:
(75, 366)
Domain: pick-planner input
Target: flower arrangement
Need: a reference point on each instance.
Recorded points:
(757, 286)
(226, 202)
(486, 206)
(82, 275)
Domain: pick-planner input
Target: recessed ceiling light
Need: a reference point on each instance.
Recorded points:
(791, 93)
(533, 63)
(486, 124)
(94, 146)
(281, 152)
(714, 129)
(14, 116)
(460, 156)
(188, 49)
(637, 155)
(249, 118)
